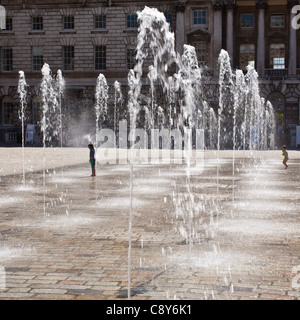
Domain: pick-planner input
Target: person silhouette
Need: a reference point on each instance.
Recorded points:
(92, 159)
(285, 155)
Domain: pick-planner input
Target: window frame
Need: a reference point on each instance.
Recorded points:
(252, 51)
(169, 18)
(196, 18)
(277, 15)
(130, 56)
(5, 103)
(132, 21)
(68, 22)
(280, 65)
(101, 21)
(8, 24)
(37, 23)
(202, 44)
(10, 59)
(65, 58)
(283, 48)
(253, 20)
(98, 51)
(36, 109)
(35, 63)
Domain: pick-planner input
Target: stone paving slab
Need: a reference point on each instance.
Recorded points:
(67, 237)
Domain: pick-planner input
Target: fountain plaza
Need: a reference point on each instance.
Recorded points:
(68, 238)
(154, 223)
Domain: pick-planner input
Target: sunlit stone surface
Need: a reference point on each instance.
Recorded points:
(242, 242)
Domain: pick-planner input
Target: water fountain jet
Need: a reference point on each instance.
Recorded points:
(22, 90)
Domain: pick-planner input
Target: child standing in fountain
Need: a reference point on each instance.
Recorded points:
(92, 159)
(285, 156)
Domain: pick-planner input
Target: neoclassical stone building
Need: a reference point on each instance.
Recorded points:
(85, 37)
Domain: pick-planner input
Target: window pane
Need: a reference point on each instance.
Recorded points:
(199, 17)
(130, 58)
(37, 58)
(7, 59)
(68, 22)
(277, 20)
(8, 113)
(132, 21)
(277, 56)
(247, 20)
(201, 50)
(169, 18)
(278, 63)
(68, 57)
(9, 25)
(100, 57)
(37, 107)
(247, 56)
(100, 22)
(37, 23)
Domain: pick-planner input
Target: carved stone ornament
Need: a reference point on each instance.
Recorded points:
(230, 4)
(218, 4)
(261, 4)
(180, 6)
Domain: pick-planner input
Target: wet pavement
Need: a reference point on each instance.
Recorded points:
(66, 235)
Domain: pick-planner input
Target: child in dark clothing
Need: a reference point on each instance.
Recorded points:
(92, 159)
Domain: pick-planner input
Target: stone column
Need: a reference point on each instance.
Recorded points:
(230, 4)
(292, 67)
(180, 34)
(217, 34)
(260, 61)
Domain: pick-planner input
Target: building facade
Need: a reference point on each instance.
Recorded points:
(86, 37)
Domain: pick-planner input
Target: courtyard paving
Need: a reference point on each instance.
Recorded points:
(215, 235)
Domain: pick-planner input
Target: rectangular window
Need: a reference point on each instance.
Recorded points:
(68, 58)
(37, 58)
(201, 50)
(9, 24)
(277, 56)
(199, 17)
(100, 58)
(278, 63)
(247, 20)
(68, 22)
(8, 113)
(247, 56)
(132, 21)
(130, 58)
(100, 22)
(277, 20)
(7, 59)
(169, 18)
(37, 107)
(37, 23)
